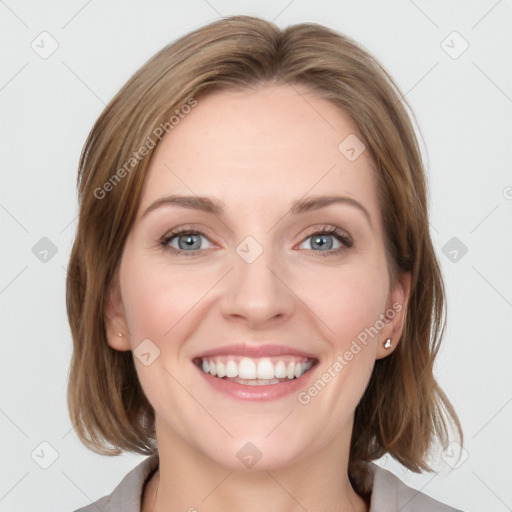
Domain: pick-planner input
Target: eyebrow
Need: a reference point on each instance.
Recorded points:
(216, 206)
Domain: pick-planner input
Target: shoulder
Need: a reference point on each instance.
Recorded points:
(390, 494)
(126, 496)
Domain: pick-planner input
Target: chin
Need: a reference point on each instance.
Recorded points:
(256, 454)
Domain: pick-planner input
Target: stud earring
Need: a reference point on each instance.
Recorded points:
(120, 334)
(387, 343)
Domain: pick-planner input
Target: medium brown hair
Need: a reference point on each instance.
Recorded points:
(403, 409)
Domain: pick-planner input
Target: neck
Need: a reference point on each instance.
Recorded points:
(188, 480)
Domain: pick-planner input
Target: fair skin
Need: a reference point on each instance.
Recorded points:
(257, 151)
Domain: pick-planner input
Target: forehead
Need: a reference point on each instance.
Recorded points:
(268, 146)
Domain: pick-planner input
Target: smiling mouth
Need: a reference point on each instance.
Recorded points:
(251, 371)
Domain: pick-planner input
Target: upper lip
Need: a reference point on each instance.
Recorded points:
(255, 350)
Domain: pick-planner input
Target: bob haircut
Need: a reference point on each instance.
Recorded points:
(403, 410)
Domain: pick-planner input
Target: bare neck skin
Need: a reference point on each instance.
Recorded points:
(187, 480)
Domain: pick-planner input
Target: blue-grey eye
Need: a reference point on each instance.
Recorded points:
(323, 242)
(186, 241)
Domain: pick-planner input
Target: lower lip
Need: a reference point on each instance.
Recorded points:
(257, 393)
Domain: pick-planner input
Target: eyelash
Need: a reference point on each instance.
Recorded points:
(340, 235)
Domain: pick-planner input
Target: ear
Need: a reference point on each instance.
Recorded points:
(115, 321)
(395, 316)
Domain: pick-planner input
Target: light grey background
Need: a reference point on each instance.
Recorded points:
(48, 105)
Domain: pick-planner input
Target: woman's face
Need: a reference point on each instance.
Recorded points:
(262, 280)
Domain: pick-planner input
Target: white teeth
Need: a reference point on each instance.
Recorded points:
(265, 369)
(247, 369)
(231, 369)
(280, 370)
(221, 369)
(254, 371)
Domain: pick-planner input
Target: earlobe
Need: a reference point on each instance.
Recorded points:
(115, 322)
(396, 314)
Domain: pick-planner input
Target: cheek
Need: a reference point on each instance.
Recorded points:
(157, 297)
(159, 303)
(348, 300)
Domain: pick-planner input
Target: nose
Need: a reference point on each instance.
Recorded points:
(257, 293)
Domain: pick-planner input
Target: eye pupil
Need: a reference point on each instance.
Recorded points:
(320, 241)
(191, 241)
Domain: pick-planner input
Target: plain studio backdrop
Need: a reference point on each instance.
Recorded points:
(63, 61)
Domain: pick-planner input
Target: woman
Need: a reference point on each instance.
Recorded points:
(253, 294)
